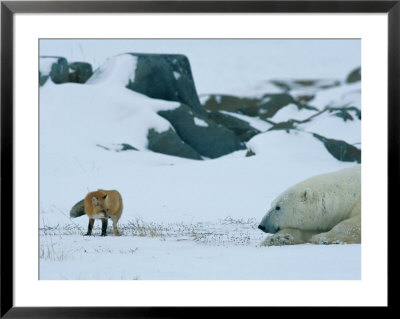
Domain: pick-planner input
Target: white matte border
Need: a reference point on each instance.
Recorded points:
(370, 291)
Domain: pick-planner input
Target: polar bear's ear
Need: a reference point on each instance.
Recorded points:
(308, 194)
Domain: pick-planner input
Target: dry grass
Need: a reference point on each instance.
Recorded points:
(222, 232)
(48, 250)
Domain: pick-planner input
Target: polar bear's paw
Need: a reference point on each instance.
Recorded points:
(278, 240)
(324, 239)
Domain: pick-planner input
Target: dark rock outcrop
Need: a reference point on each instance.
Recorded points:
(62, 72)
(242, 129)
(169, 143)
(203, 131)
(58, 72)
(42, 78)
(354, 76)
(166, 77)
(340, 149)
(208, 138)
(287, 126)
(79, 72)
(128, 147)
(265, 107)
(118, 147)
(288, 85)
(345, 112)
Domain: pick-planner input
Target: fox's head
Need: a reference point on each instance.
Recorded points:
(100, 203)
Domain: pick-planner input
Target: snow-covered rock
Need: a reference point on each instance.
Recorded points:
(166, 77)
(55, 68)
(60, 71)
(210, 140)
(354, 76)
(266, 106)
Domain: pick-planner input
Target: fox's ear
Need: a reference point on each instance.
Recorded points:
(105, 196)
(95, 201)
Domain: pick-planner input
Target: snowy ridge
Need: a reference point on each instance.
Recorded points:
(291, 111)
(118, 70)
(343, 95)
(103, 116)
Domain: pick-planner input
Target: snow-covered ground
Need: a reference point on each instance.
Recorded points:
(184, 219)
(140, 258)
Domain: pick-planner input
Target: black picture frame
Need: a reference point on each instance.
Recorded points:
(9, 8)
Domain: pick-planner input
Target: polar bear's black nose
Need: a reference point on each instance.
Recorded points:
(261, 227)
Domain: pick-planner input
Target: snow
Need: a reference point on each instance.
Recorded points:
(349, 95)
(118, 70)
(295, 147)
(200, 122)
(265, 99)
(348, 131)
(162, 260)
(177, 75)
(97, 114)
(45, 64)
(255, 122)
(182, 219)
(291, 111)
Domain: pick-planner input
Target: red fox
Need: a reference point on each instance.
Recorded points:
(101, 204)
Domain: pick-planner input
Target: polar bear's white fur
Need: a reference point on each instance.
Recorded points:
(323, 209)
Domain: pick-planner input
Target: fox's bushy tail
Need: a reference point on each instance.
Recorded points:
(77, 210)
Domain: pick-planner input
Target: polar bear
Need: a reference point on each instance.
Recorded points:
(324, 209)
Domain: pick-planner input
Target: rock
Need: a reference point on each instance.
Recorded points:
(345, 112)
(272, 103)
(287, 126)
(340, 149)
(169, 143)
(242, 129)
(79, 72)
(354, 76)
(250, 153)
(304, 99)
(42, 78)
(118, 147)
(231, 103)
(59, 71)
(204, 136)
(166, 77)
(264, 107)
(289, 85)
(128, 147)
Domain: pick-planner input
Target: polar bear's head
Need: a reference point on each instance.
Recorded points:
(289, 210)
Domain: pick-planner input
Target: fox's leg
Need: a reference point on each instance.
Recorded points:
(115, 228)
(104, 223)
(90, 227)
